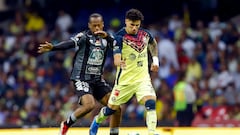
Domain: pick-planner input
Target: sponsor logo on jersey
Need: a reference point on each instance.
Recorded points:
(96, 57)
(93, 70)
(116, 92)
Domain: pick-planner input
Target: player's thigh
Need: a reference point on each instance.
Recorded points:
(121, 94)
(145, 91)
(101, 91)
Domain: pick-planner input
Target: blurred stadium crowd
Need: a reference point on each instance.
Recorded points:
(35, 90)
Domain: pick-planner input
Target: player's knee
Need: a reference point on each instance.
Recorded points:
(150, 104)
(108, 111)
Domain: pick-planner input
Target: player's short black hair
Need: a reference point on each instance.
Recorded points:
(134, 15)
(95, 15)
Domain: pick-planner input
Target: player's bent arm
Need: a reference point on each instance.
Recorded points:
(154, 51)
(153, 48)
(64, 45)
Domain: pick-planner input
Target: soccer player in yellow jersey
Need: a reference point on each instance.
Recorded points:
(132, 77)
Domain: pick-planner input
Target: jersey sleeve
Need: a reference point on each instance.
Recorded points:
(111, 40)
(150, 36)
(117, 48)
(78, 38)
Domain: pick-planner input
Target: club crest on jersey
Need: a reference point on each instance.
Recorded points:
(96, 57)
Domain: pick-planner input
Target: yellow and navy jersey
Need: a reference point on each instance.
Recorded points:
(133, 49)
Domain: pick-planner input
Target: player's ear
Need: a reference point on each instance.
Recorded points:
(126, 20)
(89, 25)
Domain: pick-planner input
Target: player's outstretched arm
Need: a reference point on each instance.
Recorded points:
(46, 47)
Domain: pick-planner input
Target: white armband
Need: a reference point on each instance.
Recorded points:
(155, 60)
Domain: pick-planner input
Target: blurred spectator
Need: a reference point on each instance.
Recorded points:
(187, 44)
(184, 98)
(20, 96)
(35, 23)
(33, 101)
(64, 21)
(167, 49)
(164, 68)
(16, 26)
(9, 99)
(172, 78)
(174, 22)
(194, 70)
(215, 27)
(165, 100)
(229, 34)
(199, 30)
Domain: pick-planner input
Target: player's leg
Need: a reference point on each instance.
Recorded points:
(102, 93)
(104, 113)
(87, 102)
(147, 96)
(115, 118)
(116, 99)
(151, 115)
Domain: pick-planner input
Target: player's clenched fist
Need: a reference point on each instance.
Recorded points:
(45, 47)
(154, 68)
(101, 33)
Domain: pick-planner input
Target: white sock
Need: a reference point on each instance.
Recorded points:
(151, 121)
(73, 117)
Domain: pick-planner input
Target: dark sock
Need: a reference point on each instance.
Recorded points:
(114, 131)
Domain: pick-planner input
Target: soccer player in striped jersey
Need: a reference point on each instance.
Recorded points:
(87, 71)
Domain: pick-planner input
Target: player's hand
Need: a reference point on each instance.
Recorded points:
(154, 67)
(101, 33)
(123, 64)
(45, 47)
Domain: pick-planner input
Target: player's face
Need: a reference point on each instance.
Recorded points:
(95, 24)
(132, 26)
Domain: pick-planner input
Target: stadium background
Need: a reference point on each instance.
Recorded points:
(34, 94)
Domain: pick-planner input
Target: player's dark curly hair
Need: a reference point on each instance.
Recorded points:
(134, 15)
